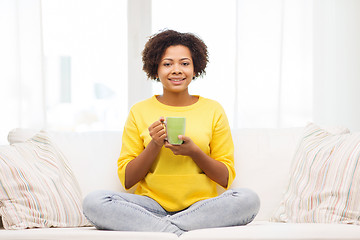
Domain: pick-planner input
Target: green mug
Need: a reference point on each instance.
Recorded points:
(175, 126)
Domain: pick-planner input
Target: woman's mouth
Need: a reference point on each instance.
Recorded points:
(177, 80)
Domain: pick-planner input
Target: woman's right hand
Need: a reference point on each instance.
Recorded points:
(157, 132)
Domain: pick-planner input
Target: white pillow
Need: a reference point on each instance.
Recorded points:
(324, 184)
(37, 186)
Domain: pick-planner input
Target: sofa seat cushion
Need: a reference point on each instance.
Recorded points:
(262, 230)
(83, 233)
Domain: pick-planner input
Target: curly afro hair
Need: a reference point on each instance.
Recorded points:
(158, 43)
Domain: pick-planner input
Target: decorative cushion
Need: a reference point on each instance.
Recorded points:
(37, 186)
(324, 184)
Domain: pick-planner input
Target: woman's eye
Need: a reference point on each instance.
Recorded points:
(186, 63)
(167, 64)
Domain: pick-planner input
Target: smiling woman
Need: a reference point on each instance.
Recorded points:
(148, 160)
(176, 71)
(198, 51)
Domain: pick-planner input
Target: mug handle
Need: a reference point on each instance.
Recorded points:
(164, 123)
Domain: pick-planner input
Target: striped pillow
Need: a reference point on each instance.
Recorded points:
(324, 184)
(37, 186)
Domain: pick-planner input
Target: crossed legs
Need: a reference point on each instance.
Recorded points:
(129, 212)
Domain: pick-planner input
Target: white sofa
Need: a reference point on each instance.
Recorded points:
(262, 161)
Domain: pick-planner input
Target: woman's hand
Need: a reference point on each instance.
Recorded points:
(187, 148)
(157, 132)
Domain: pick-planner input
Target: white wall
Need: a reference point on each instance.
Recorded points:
(337, 63)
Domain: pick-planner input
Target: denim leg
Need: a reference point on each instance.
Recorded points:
(126, 212)
(232, 208)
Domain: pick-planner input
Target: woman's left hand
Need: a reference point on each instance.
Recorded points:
(187, 148)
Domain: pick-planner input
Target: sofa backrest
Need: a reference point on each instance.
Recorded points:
(92, 155)
(262, 160)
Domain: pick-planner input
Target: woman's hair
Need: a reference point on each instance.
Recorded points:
(158, 43)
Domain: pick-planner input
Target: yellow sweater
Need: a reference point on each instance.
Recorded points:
(176, 182)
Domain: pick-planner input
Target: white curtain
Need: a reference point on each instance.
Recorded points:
(260, 57)
(274, 63)
(21, 78)
(63, 65)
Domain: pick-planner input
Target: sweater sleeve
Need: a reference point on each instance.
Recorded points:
(221, 145)
(132, 146)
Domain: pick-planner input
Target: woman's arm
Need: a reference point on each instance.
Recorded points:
(137, 168)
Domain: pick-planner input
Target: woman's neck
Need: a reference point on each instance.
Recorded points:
(178, 100)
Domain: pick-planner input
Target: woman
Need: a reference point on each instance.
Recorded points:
(176, 184)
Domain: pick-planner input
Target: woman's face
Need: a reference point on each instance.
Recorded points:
(176, 69)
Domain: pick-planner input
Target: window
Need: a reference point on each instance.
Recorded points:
(76, 64)
(85, 49)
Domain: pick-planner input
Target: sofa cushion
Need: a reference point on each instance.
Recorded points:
(324, 184)
(83, 233)
(37, 186)
(279, 231)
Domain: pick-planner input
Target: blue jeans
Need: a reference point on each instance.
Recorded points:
(130, 212)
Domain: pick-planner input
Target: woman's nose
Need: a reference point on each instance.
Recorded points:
(176, 69)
